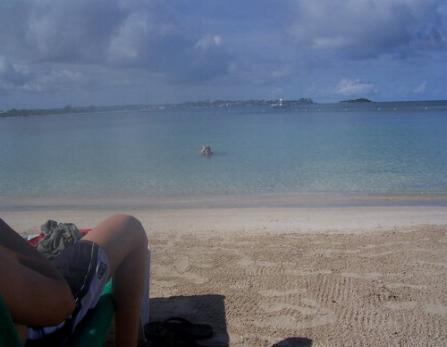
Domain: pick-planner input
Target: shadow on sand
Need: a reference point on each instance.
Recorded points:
(294, 342)
(208, 309)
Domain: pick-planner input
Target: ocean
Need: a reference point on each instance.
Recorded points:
(373, 148)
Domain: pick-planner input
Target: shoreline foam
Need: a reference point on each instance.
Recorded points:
(275, 200)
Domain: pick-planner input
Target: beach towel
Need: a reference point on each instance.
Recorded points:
(8, 333)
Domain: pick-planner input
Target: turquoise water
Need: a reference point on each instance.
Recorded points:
(388, 149)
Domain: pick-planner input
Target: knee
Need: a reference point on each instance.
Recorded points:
(3, 225)
(133, 228)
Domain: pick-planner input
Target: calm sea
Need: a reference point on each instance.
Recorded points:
(385, 148)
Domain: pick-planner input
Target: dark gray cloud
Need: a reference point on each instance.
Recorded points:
(362, 29)
(72, 31)
(119, 34)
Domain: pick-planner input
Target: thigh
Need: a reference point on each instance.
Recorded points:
(33, 299)
(118, 235)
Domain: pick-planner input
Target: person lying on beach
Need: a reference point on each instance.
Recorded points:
(47, 300)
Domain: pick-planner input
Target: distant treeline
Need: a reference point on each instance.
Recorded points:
(195, 104)
(353, 101)
(65, 110)
(254, 102)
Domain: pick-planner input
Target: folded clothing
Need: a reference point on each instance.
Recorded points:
(57, 237)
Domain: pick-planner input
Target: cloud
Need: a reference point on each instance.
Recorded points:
(72, 31)
(242, 49)
(421, 88)
(18, 77)
(55, 80)
(13, 76)
(209, 41)
(120, 34)
(361, 29)
(348, 87)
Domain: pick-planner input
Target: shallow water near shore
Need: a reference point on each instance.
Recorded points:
(394, 150)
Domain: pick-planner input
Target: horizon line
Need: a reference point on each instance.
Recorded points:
(211, 101)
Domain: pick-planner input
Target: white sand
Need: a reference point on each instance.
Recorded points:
(251, 220)
(287, 276)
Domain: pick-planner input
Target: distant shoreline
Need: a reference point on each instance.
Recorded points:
(279, 104)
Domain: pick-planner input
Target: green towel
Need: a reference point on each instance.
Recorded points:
(8, 332)
(91, 332)
(94, 328)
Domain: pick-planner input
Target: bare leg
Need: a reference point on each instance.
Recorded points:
(25, 253)
(32, 299)
(125, 242)
(34, 291)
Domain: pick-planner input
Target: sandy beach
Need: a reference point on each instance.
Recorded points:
(355, 275)
(287, 160)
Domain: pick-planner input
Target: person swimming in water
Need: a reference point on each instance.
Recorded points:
(206, 151)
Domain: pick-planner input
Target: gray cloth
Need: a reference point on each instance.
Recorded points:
(58, 236)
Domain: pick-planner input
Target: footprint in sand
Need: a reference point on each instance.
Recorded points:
(438, 309)
(186, 271)
(308, 273)
(194, 278)
(182, 265)
(246, 261)
(329, 252)
(166, 284)
(378, 255)
(422, 262)
(397, 306)
(404, 285)
(275, 293)
(180, 269)
(363, 276)
(309, 314)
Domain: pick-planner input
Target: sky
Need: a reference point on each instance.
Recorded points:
(111, 52)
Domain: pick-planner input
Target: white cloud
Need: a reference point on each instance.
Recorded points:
(54, 80)
(421, 88)
(12, 75)
(17, 77)
(209, 41)
(126, 45)
(348, 87)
